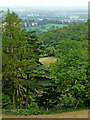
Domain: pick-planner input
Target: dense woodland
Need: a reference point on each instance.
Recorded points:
(30, 87)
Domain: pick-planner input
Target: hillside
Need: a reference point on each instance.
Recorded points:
(78, 32)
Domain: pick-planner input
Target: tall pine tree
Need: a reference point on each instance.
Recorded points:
(22, 71)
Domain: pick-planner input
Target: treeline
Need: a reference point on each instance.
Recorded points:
(28, 84)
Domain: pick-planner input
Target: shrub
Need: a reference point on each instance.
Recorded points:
(33, 108)
(6, 102)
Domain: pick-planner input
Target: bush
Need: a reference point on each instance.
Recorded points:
(33, 108)
(6, 102)
(42, 110)
(67, 101)
(32, 111)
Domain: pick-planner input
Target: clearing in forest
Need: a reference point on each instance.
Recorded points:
(47, 60)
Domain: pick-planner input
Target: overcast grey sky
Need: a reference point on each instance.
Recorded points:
(68, 3)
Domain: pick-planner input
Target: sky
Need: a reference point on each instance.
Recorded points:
(67, 3)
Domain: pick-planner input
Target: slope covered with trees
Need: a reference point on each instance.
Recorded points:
(70, 72)
(28, 84)
(51, 39)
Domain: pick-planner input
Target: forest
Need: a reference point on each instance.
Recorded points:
(31, 87)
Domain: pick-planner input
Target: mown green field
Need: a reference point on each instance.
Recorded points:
(45, 28)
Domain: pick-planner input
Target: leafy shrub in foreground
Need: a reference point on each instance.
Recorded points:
(6, 102)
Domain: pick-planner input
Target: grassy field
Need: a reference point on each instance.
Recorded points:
(47, 27)
(55, 25)
(76, 114)
(47, 60)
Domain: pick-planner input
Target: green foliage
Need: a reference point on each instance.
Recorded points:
(67, 100)
(31, 111)
(70, 72)
(13, 27)
(77, 32)
(32, 104)
(6, 102)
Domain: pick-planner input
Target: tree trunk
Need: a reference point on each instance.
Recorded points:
(19, 97)
(27, 93)
(14, 101)
(27, 97)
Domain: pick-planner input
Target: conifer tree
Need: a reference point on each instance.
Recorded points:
(23, 70)
(11, 37)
